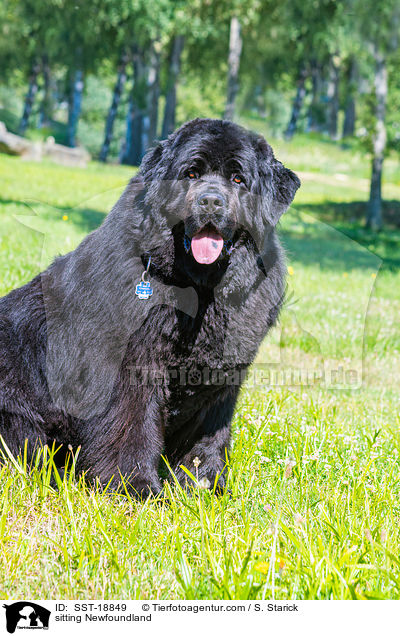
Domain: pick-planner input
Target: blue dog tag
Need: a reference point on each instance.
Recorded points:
(144, 290)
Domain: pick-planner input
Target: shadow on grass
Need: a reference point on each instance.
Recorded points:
(352, 212)
(85, 219)
(324, 238)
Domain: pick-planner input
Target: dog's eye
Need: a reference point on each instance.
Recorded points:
(192, 174)
(237, 178)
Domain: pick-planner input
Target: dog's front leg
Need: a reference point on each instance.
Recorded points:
(139, 455)
(131, 445)
(205, 449)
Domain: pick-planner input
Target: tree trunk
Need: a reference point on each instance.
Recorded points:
(314, 123)
(297, 104)
(75, 105)
(153, 95)
(235, 50)
(30, 97)
(46, 107)
(137, 150)
(333, 96)
(349, 122)
(112, 113)
(374, 211)
(173, 74)
(136, 129)
(126, 146)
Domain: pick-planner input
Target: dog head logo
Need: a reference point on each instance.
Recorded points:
(26, 615)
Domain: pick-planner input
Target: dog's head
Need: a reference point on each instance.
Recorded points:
(216, 183)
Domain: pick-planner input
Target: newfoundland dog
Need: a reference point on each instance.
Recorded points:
(136, 343)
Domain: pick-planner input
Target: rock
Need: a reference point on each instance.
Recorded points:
(65, 156)
(19, 146)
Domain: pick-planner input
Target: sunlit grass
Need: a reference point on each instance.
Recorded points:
(313, 496)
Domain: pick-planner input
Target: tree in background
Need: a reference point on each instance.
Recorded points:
(131, 29)
(153, 91)
(30, 96)
(174, 67)
(351, 82)
(235, 50)
(80, 31)
(136, 134)
(112, 113)
(298, 101)
(28, 29)
(378, 30)
(203, 58)
(147, 31)
(49, 89)
(310, 47)
(243, 17)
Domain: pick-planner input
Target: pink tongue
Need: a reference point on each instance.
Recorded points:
(207, 246)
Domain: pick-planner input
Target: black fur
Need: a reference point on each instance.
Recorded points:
(84, 362)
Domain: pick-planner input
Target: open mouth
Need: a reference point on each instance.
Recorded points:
(206, 245)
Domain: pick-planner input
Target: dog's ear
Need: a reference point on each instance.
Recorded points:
(287, 183)
(151, 167)
(277, 184)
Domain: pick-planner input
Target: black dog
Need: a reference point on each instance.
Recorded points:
(85, 361)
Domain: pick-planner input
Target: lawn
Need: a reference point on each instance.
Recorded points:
(314, 473)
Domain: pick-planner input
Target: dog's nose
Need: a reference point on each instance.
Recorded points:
(211, 201)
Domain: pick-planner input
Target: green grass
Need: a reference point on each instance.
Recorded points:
(314, 471)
